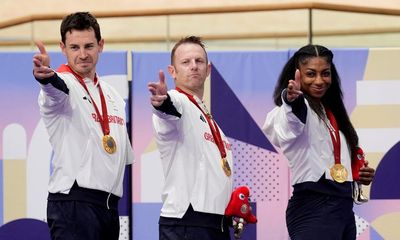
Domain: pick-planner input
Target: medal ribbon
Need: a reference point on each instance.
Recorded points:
(105, 126)
(211, 123)
(334, 135)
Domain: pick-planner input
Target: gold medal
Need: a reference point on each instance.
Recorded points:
(339, 173)
(225, 167)
(109, 144)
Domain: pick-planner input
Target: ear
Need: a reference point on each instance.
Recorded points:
(101, 45)
(172, 71)
(62, 46)
(208, 69)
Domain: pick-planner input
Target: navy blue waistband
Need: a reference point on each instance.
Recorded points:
(199, 219)
(325, 186)
(93, 196)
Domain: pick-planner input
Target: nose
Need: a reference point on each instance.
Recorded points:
(83, 54)
(319, 79)
(193, 64)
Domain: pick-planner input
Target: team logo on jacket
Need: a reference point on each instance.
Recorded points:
(202, 118)
(88, 99)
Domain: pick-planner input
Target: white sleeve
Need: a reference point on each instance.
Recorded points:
(282, 126)
(53, 97)
(165, 124)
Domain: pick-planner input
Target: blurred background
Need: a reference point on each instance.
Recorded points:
(225, 24)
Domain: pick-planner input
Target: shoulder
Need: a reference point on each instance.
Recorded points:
(67, 77)
(175, 95)
(179, 99)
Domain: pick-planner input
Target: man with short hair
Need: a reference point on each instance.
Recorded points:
(90, 151)
(195, 154)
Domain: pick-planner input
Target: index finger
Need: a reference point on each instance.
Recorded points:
(161, 76)
(297, 76)
(41, 47)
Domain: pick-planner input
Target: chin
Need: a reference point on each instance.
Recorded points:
(318, 95)
(84, 69)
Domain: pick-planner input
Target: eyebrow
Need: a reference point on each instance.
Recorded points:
(313, 69)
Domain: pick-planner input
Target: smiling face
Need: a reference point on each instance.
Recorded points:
(315, 77)
(82, 51)
(190, 68)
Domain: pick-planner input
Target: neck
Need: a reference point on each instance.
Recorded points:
(316, 105)
(195, 92)
(91, 76)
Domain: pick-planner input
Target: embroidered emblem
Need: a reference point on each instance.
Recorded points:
(202, 118)
(85, 98)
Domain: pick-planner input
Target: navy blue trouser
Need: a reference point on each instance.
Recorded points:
(191, 233)
(315, 216)
(77, 220)
(195, 226)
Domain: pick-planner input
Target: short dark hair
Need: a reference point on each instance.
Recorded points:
(79, 21)
(188, 39)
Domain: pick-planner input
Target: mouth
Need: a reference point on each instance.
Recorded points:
(84, 64)
(319, 91)
(195, 75)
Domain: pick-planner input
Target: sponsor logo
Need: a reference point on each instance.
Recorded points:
(209, 137)
(111, 119)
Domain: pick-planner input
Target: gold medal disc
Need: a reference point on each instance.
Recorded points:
(109, 144)
(339, 173)
(225, 167)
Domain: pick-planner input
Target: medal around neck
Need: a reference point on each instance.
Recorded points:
(109, 144)
(226, 167)
(339, 173)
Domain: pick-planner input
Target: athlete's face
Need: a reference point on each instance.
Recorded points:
(315, 77)
(190, 67)
(82, 51)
